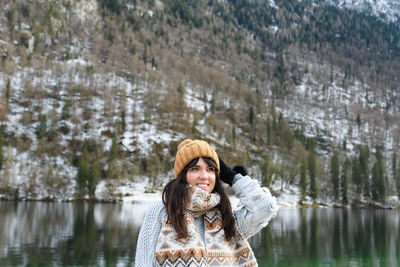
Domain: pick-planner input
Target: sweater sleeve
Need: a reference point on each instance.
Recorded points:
(256, 206)
(148, 235)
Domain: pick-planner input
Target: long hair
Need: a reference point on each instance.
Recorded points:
(174, 198)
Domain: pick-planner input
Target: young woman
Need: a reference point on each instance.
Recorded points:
(194, 225)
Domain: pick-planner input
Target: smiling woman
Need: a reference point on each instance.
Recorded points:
(195, 223)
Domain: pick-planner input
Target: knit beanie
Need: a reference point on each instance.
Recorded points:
(191, 149)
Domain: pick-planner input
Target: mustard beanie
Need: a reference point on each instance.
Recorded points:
(191, 149)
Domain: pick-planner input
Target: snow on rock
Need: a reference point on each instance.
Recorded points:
(86, 10)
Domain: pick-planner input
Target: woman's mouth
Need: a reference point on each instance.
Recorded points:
(202, 185)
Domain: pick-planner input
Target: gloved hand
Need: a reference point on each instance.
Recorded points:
(227, 174)
(240, 169)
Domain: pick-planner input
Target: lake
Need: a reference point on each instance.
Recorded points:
(84, 234)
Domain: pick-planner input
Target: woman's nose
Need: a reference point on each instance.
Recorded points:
(203, 174)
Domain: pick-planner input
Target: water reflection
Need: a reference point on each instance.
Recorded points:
(330, 237)
(68, 234)
(82, 234)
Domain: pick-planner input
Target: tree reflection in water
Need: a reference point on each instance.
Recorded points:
(83, 234)
(330, 237)
(67, 234)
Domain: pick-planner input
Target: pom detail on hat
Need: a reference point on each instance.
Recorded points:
(191, 149)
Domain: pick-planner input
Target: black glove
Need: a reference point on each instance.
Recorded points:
(240, 169)
(227, 174)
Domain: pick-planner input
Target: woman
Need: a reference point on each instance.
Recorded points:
(194, 225)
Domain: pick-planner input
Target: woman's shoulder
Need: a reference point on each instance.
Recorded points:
(156, 211)
(157, 205)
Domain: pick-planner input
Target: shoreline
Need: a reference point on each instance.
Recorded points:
(124, 191)
(153, 197)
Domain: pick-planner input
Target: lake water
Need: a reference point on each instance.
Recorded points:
(82, 234)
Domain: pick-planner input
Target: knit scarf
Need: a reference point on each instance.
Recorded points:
(215, 250)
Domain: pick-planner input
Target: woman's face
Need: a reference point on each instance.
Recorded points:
(201, 175)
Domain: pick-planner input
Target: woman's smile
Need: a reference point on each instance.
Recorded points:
(203, 186)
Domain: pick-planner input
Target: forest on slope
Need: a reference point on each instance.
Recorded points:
(96, 95)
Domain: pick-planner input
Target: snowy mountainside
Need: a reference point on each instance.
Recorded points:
(350, 113)
(125, 84)
(385, 9)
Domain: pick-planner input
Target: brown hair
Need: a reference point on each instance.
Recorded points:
(174, 199)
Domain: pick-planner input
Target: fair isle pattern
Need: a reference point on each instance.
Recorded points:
(199, 201)
(236, 252)
(172, 251)
(192, 251)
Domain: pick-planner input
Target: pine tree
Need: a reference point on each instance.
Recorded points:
(303, 180)
(83, 168)
(335, 173)
(364, 171)
(312, 170)
(344, 184)
(1, 151)
(378, 178)
(356, 175)
(358, 120)
(212, 102)
(123, 120)
(114, 149)
(251, 116)
(181, 90)
(11, 18)
(269, 131)
(375, 174)
(396, 173)
(310, 144)
(344, 144)
(398, 181)
(266, 172)
(65, 111)
(394, 164)
(36, 41)
(41, 130)
(8, 89)
(112, 159)
(93, 179)
(205, 101)
(280, 70)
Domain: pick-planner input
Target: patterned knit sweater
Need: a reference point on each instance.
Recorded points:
(256, 207)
